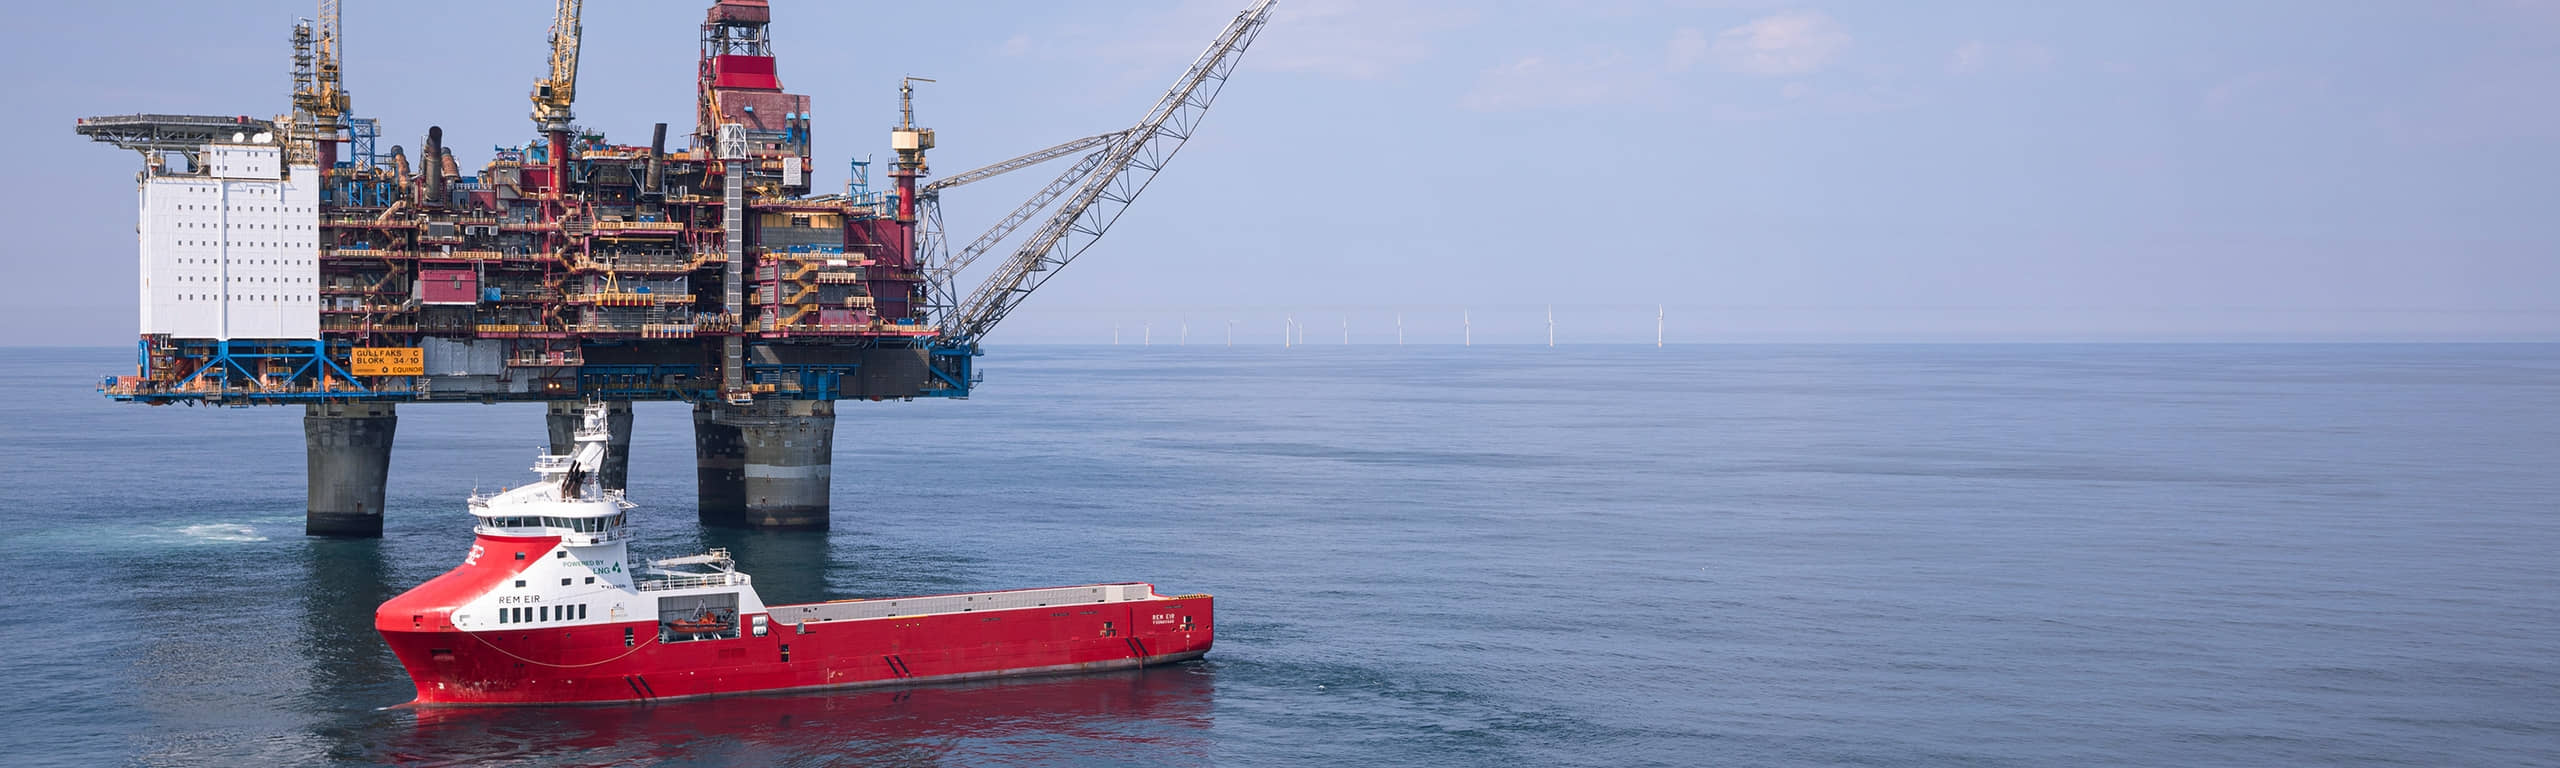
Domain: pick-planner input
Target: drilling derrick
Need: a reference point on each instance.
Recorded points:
(568, 268)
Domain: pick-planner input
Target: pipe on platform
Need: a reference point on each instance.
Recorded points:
(657, 182)
(558, 160)
(564, 417)
(766, 465)
(431, 166)
(348, 451)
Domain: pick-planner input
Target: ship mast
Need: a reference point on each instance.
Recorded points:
(589, 456)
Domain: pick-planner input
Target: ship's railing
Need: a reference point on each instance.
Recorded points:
(693, 581)
(976, 601)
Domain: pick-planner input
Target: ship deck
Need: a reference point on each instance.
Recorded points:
(893, 607)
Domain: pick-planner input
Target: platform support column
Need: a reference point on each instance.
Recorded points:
(348, 447)
(719, 462)
(766, 465)
(564, 417)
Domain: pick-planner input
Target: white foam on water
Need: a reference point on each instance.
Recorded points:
(221, 532)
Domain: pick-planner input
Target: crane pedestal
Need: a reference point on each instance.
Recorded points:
(563, 417)
(348, 446)
(765, 465)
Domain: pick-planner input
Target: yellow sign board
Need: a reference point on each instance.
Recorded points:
(388, 361)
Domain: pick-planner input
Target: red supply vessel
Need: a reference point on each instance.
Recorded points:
(547, 608)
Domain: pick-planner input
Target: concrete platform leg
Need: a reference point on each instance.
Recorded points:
(719, 462)
(348, 446)
(765, 466)
(564, 417)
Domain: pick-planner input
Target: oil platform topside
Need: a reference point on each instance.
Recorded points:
(298, 260)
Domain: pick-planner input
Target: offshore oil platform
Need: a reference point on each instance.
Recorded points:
(297, 261)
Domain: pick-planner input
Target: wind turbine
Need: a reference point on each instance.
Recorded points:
(1288, 331)
(1147, 334)
(1115, 334)
(1551, 326)
(1231, 332)
(1657, 326)
(1185, 341)
(1399, 329)
(1468, 319)
(1346, 330)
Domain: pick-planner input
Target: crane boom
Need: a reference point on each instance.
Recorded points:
(999, 168)
(1125, 171)
(331, 95)
(556, 90)
(319, 98)
(944, 271)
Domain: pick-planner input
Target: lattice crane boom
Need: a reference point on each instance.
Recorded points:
(1002, 167)
(1124, 171)
(553, 93)
(944, 270)
(331, 103)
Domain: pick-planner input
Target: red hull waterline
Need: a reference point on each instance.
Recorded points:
(546, 608)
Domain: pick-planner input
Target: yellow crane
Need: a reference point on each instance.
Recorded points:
(319, 100)
(552, 93)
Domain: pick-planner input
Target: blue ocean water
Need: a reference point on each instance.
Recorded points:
(1754, 555)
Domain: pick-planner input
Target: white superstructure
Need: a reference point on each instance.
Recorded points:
(230, 249)
(588, 577)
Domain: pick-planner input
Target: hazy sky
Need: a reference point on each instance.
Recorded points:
(1768, 170)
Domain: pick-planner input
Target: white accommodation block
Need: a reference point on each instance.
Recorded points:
(230, 250)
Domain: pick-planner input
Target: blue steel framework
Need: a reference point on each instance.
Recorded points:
(232, 375)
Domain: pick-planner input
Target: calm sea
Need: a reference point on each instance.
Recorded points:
(1491, 556)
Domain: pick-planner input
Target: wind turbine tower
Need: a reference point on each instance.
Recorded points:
(1657, 326)
(1551, 326)
(1467, 319)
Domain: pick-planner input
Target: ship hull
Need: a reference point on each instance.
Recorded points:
(616, 662)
